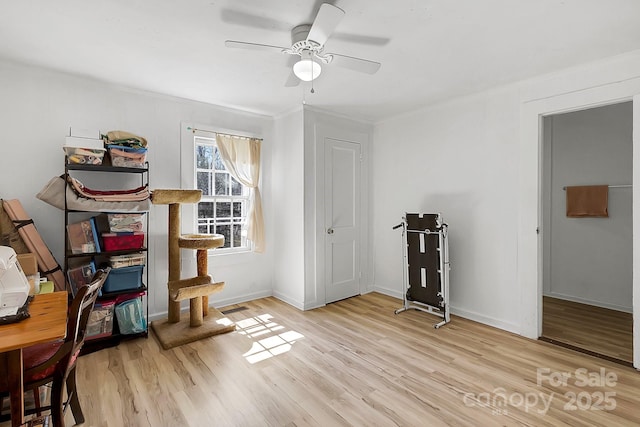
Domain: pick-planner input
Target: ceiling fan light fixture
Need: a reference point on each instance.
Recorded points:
(307, 69)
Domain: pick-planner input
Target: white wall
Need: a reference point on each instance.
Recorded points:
(590, 259)
(288, 215)
(476, 160)
(456, 159)
(37, 107)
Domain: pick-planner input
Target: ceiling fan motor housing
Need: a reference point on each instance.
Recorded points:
(306, 48)
(300, 33)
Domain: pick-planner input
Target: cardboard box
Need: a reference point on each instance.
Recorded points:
(29, 265)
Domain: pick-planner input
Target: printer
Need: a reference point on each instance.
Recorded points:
(14, 286)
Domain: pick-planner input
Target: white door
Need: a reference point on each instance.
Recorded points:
(342, 219)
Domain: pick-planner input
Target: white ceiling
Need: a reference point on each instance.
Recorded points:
(430, 50)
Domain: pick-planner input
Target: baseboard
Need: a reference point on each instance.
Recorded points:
(589, 302)
(486, 320)
(389, 292)
(241, 298)
(284, 298)
(217, 303)
(467, 314)
(314, 304)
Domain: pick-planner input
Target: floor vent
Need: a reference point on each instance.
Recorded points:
(233, 310)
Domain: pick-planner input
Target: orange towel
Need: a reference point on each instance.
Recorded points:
(588, 201)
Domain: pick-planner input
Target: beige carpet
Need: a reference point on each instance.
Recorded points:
(175, 334)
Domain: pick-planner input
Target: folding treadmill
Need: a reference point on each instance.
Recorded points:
(426, 267)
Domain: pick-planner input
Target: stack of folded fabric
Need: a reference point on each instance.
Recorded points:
(126, 149)
(124, 139)
(132, 195)
(74, 195)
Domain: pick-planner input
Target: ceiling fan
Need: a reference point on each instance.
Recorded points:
(308, 44)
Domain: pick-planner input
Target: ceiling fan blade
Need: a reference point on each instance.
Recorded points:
(361, 39)
(292, 80)
(326, 21)
(292, 59)
(356, 64)
(236, 17)
(253, 46)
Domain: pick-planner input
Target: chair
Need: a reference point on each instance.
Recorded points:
(55, 362)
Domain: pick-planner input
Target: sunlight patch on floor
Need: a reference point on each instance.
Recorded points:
(269, 341)
(224, 321)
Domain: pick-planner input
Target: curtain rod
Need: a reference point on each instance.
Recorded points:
(613, 186)
(194, 130)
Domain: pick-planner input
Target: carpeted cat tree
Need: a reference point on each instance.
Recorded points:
(203, 321)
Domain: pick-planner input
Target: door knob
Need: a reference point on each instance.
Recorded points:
(330, 230)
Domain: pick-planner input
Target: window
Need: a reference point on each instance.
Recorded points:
(224, 204)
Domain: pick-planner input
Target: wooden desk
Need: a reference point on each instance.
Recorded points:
(48, 322)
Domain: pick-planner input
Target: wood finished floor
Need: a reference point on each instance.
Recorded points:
(596, 329)
(352, 363)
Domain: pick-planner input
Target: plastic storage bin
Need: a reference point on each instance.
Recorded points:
(127, 260)
(130, 317)
(100, 322)
(86, 156)
(127, 157)
(122, 279)
(125, 222)
(122, 241)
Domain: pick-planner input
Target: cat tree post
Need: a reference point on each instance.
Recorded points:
(198, 294)
(173, 332)
(173, 307)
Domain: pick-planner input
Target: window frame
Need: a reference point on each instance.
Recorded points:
(215, 199)
(188, 179)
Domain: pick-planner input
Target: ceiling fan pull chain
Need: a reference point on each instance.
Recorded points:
(312, 79)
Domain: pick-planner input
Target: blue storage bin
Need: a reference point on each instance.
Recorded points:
(130, 317)
(122, 279)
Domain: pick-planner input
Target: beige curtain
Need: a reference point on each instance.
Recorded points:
(241, 157)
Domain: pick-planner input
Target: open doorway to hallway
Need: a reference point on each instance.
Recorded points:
(587, 261)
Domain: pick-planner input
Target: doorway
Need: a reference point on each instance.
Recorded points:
(336, 212)
(342, 219)
(587, 262)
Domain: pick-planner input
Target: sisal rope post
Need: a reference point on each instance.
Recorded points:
(174, 259)
(201, 256)
(195, 312)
